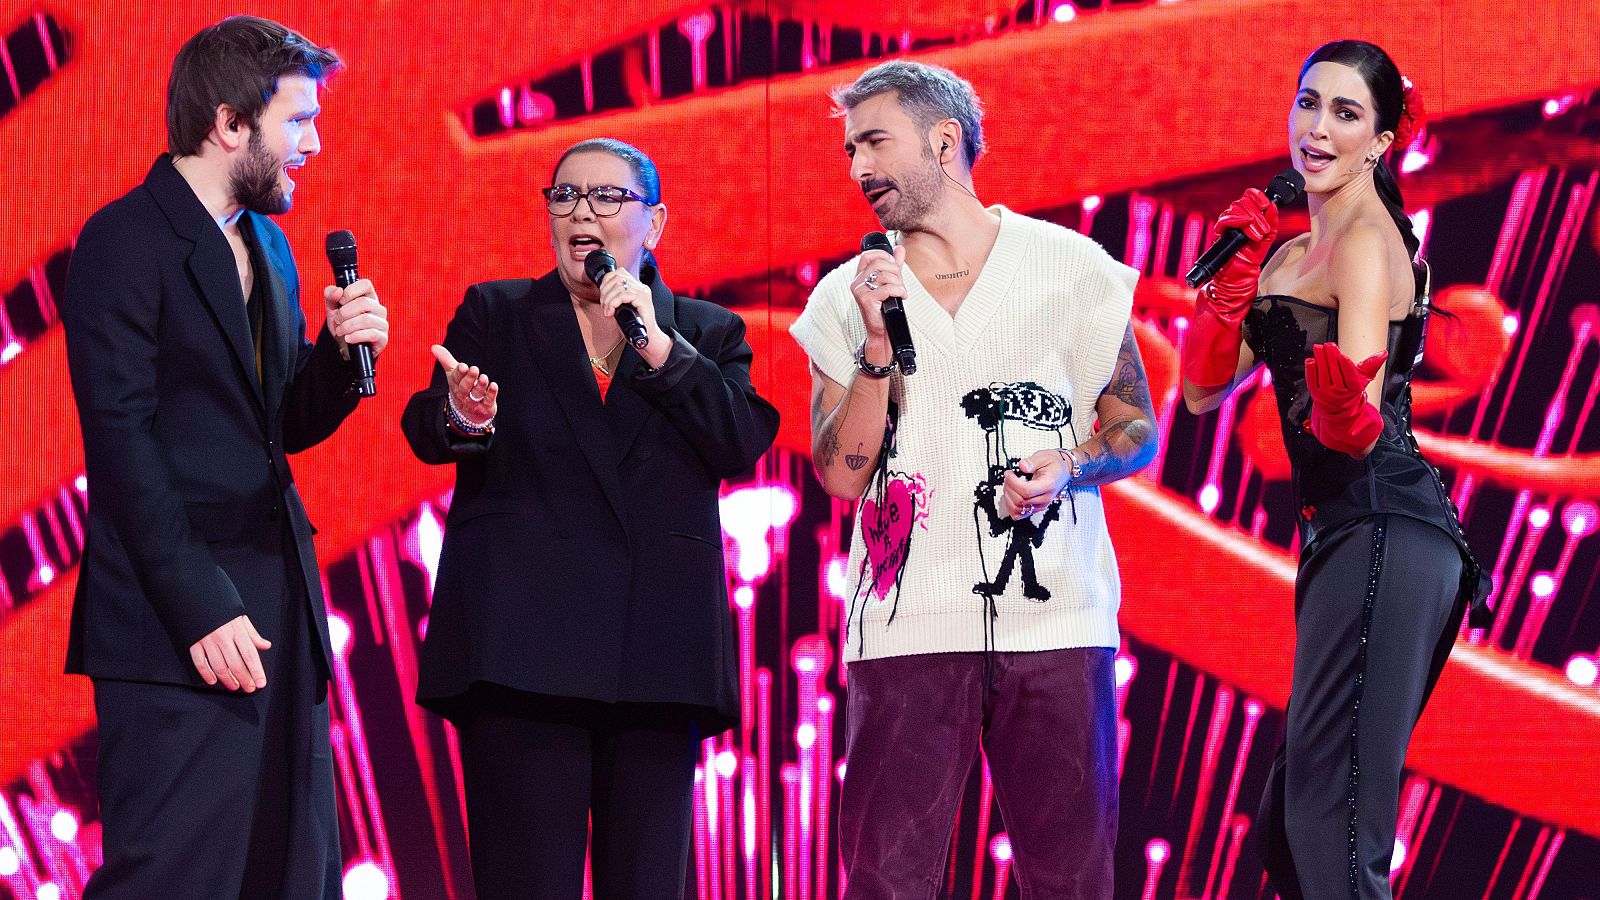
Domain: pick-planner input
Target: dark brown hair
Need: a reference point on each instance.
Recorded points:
(1383, 79)
(237, 62)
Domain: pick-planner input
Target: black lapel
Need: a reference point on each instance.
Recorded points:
(278, 342)
(211, 264)
(626, 410)
(556, 345)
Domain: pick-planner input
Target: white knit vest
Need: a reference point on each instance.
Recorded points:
(1038, 331)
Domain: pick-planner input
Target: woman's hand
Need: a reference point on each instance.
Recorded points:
(472, 394)
(621, 287)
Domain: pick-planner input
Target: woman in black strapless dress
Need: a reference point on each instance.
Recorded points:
(1385, 574)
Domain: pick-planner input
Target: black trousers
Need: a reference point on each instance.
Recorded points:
(1376, 613)
(539, 769)
(210, 794)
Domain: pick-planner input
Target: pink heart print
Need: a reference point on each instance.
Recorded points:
(886, 528)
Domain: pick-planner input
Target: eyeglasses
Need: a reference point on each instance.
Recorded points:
(605, 200)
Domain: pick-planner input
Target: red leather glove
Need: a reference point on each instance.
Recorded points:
(1341, 417)
(1211, 347)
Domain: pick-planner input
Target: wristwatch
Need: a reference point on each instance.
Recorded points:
(869, 368)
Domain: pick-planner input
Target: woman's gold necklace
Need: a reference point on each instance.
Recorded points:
(603, 362)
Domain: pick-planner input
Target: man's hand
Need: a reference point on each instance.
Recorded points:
(355, 316)
(1040, 481)
(231, 655)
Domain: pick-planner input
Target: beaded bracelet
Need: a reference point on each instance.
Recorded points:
(462, 423)
(868, 368)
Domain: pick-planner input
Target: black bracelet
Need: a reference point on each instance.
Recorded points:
(869, 368)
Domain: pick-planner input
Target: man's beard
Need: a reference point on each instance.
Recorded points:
(918, 194)
(254, 180)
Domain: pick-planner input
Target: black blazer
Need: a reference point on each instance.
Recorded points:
(190, 491)
(583, 550)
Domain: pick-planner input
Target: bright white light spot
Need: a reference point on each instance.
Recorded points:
(805, 736)
(824, 704)
(1414, 161)
(1157, 851)
(10, 353)
(9, 863)
(835, 576)
(1543, 585)
(744, 597)
(1125, 668)
(1001, 848)
(1555, 106)
(1399, 858)
(1581, 671)
(1181, 323)
(48, 891)
(1510, 323)
(1539, 516)
(748, 516)
(1064, 13)
(365, 881)
(838, 771)
(507, 107)
(1253, 709)
(339, 633)
(64, 825)
(697, 26)
(1579, 518)
(430, 541)
(727, 764)
(1091, 203)
(81, 483)
(46, 574)
(805, 664)
(1209, 497)
(1420, 220)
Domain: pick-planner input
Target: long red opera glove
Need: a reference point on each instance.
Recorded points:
(1211, 346)
(1341, 417)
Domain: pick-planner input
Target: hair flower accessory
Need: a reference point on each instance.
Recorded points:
(1413, 116)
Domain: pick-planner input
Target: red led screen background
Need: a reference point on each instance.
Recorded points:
(1134, 122)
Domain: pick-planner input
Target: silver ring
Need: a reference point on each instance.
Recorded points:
(475, 398)
(1027, 510)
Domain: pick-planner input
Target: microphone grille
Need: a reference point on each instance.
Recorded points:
(1285, 187)
(341, 247)
(876, 240)
(597, 263)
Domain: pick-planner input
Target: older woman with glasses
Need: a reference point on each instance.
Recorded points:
(580, 638)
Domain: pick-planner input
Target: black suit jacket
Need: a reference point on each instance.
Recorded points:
(192, 506)
(583, 549)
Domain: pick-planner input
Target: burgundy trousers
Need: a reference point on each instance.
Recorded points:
(1046, 722)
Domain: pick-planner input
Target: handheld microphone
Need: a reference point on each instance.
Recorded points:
(597, 265)
(894, 313)
(1283, 190)
(341, 247)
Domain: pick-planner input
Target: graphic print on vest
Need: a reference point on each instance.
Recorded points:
(991, 408)
(895, 505)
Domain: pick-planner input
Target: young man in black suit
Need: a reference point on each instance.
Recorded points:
(199, 612)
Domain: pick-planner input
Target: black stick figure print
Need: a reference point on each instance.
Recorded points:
(1036, 408)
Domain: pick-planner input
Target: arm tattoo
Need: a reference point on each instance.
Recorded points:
(1128, 382)
(1127, 442)
(828, 442)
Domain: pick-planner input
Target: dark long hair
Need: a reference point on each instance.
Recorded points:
(1388, 93)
